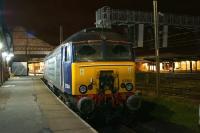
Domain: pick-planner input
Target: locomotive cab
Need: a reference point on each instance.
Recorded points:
(103, 70)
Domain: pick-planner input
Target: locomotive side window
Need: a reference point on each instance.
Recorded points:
(66, 54)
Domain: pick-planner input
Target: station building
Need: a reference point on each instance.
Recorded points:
(187, 66)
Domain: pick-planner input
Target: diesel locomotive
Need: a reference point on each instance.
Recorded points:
(92, 68)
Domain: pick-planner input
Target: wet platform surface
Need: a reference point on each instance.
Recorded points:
(27, 106)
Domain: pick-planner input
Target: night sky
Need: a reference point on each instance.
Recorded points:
(43, 17)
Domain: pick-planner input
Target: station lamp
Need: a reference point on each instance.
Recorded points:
(9, 57)
(1, 45)
(4, 54)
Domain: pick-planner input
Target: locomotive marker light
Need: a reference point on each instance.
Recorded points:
(90, 86)
(123, 85)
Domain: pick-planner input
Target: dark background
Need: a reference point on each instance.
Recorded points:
(43, 17)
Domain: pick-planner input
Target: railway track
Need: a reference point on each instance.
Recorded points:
(125, 129)
(122, 124)
(120, 128)
(116, 127)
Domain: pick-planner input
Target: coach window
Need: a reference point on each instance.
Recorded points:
(66, 54)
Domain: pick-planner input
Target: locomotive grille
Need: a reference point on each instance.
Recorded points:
(106, 81)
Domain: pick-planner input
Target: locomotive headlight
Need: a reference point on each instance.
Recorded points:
(83, 89)
(129, 86)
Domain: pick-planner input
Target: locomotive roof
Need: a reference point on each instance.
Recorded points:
(96, 34)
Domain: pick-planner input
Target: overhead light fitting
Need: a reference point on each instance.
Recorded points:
(4, 54)
(9, 56)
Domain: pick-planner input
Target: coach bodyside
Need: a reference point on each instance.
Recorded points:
(53, 68)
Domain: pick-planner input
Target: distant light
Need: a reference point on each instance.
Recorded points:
(4, 54)
(1, 45)
(9, 57)
(161, 14)
(11, 54)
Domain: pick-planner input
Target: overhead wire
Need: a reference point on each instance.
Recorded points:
(179, 38)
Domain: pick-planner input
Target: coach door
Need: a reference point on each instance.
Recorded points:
(66, 74)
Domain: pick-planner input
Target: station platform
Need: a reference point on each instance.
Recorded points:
(27, 106)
